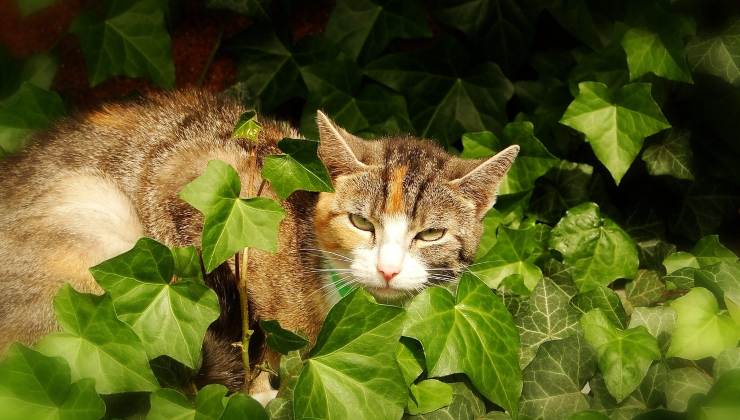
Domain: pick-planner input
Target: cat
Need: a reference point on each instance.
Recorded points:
(404, 214)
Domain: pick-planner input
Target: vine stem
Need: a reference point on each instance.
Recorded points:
(241, 264)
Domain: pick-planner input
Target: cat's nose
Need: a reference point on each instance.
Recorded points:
(388, 272)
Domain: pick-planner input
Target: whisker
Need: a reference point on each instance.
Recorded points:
(346, 258)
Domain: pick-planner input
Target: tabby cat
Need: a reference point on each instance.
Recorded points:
(404, 215)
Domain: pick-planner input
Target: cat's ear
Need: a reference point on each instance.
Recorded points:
(480, 179)
(339, 150)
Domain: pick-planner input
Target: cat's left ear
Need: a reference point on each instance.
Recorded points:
(479, 179)
(340, 151)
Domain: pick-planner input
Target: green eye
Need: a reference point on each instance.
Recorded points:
(361, 223)
(431, 234)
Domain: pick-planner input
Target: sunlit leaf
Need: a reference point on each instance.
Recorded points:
(298, 169)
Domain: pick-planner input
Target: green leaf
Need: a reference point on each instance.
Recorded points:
(588, 415)
(659, 52)
(34, 386)
(717, 55)
(477, 324)
(624, 356)
(646, 289)
(131, 40)
(659, 322)
(291, 365)
(721, 402)
(598, 250)
(29, 109)
(671, 156)
(514, 252)
(170, 317)
(231, 223)
(466, 404)
(281, 340)
(257, 9)
(267, 69)
(605, 299)
(554, 379)
(722, 279)
(701, 331)
(428, 395)
(679, 260)
(97, 345)
(353, 364)
(28, 7)
(548, 316)
(532, 162)
(709, 251)
(298, 169)
(726, 361)
(364, 28)
(187, 264)
(615, 123)
(247, 127)
(447, 94)
(564, 186)
(211, 402)
(682, 384)
(649, 394)
(410, 358)
(502, 29)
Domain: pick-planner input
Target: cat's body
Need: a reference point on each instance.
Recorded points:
(404, 215)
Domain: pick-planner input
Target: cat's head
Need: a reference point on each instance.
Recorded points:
(404, 214)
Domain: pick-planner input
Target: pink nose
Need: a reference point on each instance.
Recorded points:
(388, 272)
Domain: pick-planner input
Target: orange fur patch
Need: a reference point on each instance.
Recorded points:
(395, 203)
(108, 116)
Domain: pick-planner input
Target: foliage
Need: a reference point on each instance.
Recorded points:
(605, 285)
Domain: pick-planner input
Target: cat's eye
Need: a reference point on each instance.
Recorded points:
(431, 234)
(361, 223)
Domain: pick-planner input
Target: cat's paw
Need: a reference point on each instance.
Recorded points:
(265, 397)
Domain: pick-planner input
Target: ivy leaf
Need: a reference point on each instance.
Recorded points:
(447, 94)
(598, 250)
(679, 260)
(502, 27)
(646, 289)
(624, 356)
(649, 394)
(717, 55)
(721, 402)
(211, 402)
(659, 321)
(298, 169)
(231, 223)
(615, 123)
(364, 28)
(710, 251)
(562, 187)
(353, 364)
(671, 156)
(682, 384)
(514, 252)
(97, 345)
(726, 361)
(475, 323)
(549, 316)
(704, 206)
(29, 109)
(247, 127)
(722, 279)
(257, 9)
(28, 7)
(428, 395)
(170, 317)
(34, 386)
(410, 358)
(281, 340)
(606, 300)
(659, 52)
(532, 162)
(466, 404)
(701, 331)
(132, 40)
(187, 264)
(554, 379)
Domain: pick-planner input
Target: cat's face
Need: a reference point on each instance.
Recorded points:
(404, 214)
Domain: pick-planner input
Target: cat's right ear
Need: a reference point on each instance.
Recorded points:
(339, 150)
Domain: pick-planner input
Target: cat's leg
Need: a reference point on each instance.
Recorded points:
(80, 220)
